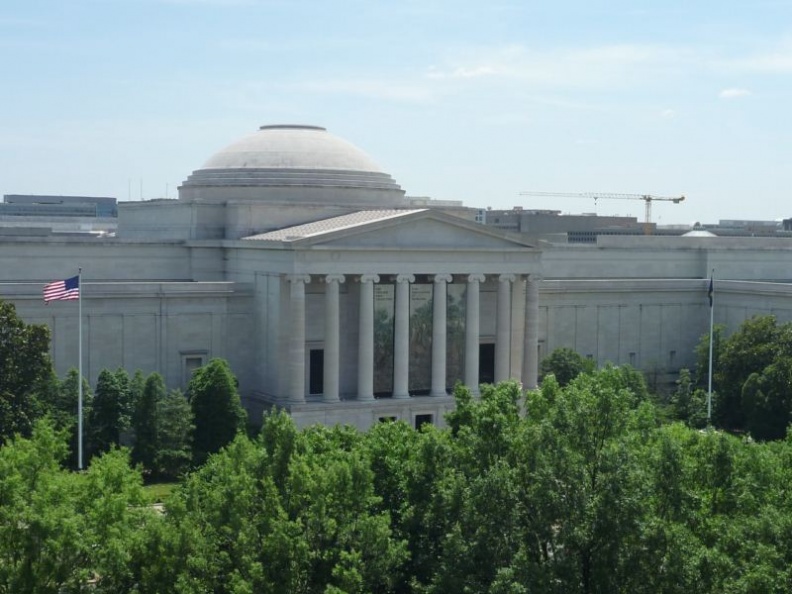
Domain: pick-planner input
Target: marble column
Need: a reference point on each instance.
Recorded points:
(439, 323)
(502, 328)
(401, 337)
(297, 284)
(517, 325)
(366, 337)
(472, 313)
(530, 372)
(332, 338)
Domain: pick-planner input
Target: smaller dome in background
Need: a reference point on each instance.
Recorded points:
(699, 233)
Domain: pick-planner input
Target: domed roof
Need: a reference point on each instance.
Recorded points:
(292, 157)
(699, 233)
(292, 147)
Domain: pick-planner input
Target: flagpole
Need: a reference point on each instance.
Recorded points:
(712, 318)
(80, 373)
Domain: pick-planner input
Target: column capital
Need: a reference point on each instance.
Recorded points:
(369, 278)
(405, 278)
(535, 278)
(298, 278)
(334, 278)
(507, 278)
(476, 278)
(442, 278)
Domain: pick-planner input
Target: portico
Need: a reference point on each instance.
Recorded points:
(396, 309)
(299, 371)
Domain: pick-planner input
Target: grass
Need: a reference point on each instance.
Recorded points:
(159, 492)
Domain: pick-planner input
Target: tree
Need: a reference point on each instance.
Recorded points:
(757, 344)
(106, 417)
(565, 364)
(689, 403)
(174, 436)
(137, 384)
(39, 532)
(294, 511)
(163, 430)
(25, 368)
(217, 410)
(588, 481)
(582, 490)
(126, 405)
(766, 400)
(64, 411)
(60, 529)
(752, 370)
(145, 422)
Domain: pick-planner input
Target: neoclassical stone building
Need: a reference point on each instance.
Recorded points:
(294, 256)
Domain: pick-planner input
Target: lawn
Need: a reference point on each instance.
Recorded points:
(159, 492)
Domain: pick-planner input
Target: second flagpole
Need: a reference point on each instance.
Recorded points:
(79, 372)
(712, 318)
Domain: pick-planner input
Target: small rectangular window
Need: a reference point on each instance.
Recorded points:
(632, 359)
(191, 362)
(388, 419)
(421, 420)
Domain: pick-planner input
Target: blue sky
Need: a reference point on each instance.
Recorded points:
(472, 101)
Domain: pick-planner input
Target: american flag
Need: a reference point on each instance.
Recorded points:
(63, 289)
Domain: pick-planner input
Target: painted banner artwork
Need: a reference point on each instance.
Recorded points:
(455, 338)
(421, 325)
(383, 338)
(420, 338)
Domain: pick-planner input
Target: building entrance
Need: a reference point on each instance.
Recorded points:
(316, 372)
(486, 363)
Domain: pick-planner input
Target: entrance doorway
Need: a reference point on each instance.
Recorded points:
(486, 363)
(316, 371)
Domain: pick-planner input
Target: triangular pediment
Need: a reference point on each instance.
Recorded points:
(409, 230)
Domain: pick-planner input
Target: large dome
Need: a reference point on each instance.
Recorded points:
(292, 147)
(296, 164)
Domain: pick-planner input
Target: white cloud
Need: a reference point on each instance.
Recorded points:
(668, 114)
(375, 88)
(734, 93)
(777, 62)
(466, 72)
(573, 67)
(774, 59)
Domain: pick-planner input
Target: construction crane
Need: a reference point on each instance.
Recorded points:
(647, 199)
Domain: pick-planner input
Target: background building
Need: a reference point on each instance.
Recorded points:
(57, 214)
